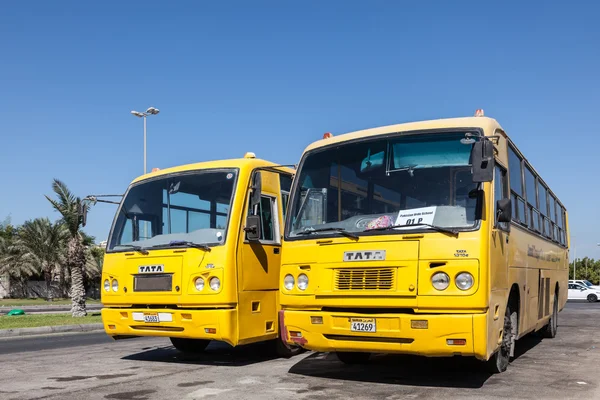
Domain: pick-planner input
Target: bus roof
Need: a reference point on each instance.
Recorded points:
(487, 124)
(242, 163)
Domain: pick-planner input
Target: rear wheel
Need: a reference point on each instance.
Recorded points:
(549, 331)
(592, 298)
(193, 346)
(353, 357)
(501, 358)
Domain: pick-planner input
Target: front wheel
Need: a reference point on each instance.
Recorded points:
(353, 357)
(592, 298)
(192, 346)
(501, 358)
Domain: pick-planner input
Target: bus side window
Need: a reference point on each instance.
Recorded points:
(500, 192)
(267, 211)
(285, 183)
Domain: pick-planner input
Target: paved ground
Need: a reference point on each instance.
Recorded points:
(91, 366)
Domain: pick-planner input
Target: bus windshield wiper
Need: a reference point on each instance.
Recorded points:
(187, 243)
(452, 232)
(133, 247)
(342, 231)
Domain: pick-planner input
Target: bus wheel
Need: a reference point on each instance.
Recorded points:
(193, 346)
(353, 357)
(549, 331)
(501, 358)
(285, 352)
(592, 298)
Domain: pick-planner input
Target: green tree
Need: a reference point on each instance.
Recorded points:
(68, 205)
(42, 244)
(13, 262)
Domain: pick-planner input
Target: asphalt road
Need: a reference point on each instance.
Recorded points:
(92, 366)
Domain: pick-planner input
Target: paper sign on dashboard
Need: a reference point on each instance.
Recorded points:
(415, 216)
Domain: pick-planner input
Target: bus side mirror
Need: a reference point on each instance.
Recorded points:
(256, 190)
(504, 209)
(482, 159)
(252, 227)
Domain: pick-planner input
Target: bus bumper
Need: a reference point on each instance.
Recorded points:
(432, 335)
(211, 324)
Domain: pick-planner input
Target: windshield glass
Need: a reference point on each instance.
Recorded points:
(404, 180)
(192, 207)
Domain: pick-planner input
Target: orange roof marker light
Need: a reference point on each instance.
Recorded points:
(327, 135)
(479, 112)
(249, 155)
(155, 169)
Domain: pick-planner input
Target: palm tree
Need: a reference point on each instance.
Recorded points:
(14, 263)
(41, 244)
(68, 205)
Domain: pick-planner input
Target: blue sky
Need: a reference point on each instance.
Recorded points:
(271, 77)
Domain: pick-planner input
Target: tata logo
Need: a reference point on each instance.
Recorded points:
(369, 255)
(150, 269)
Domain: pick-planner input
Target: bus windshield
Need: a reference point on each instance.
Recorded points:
(406, 180)
(191, 207)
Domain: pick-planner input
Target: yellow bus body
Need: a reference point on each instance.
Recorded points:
(413, 317)
(243, 310)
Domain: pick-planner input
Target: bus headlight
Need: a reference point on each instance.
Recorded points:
(106, 285)
(199, 283)
(440, 280)
(288, 282)
(464, 281)
(115, 285)
(302, 282)
(215, 283)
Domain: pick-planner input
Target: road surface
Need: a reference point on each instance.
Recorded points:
(91, 366)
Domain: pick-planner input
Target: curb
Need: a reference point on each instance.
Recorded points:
(44, 330)
(48, 308)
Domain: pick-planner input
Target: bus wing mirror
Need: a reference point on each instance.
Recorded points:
(482, 159)
(504, 207)
(256, 190)
(252, 227)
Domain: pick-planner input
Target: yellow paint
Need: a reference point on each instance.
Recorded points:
(244, 310)
(476, 314)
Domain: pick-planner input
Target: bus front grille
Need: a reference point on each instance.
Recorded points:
(153, 283)
(364, 279)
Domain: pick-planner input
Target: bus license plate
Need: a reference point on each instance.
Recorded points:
(363, 325)
(151, 317)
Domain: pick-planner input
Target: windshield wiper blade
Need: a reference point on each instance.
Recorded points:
(342, 231)
(187, 243)
(452, 232)
(139, 249)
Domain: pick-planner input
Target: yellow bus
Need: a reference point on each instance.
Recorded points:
(434, 238)
(194, 255)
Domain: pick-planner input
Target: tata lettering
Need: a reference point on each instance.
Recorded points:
(149, 269)
(369, 255)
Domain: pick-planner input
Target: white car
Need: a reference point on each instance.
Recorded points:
(581, 292)
(585, 282)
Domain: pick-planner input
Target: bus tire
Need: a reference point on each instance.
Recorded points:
(192, 346)
(501, 358)
(592, 298)
(353, 357)
(549, 331)
(285, 351)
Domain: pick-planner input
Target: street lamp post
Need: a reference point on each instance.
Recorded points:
(149, 111)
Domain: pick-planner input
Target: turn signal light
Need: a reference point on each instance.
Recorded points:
(316, 320)
(419, 324)
(210, 330)
(456, 342)
(295, 334)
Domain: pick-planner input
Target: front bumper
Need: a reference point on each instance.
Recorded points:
(193, 324)
(394, 333)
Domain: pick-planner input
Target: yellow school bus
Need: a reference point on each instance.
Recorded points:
(194, 255)
(434, 238)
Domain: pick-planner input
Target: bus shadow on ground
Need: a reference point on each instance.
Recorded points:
(449, 372)
(215, 354)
